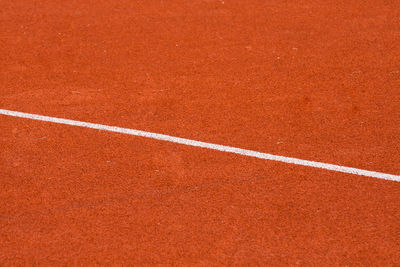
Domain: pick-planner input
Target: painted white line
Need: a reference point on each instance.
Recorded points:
(178, 140)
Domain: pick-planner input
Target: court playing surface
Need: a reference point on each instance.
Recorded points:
(199, 133)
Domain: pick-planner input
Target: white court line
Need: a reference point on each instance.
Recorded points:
(178, 140)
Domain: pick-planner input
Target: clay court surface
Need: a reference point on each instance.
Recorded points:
(311, 80)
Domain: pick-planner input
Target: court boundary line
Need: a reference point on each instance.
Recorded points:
(194, 143)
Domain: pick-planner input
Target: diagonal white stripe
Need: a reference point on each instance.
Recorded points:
(178, 140)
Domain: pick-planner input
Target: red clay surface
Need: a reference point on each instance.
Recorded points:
(318, 80)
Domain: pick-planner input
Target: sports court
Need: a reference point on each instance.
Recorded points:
(199, 133)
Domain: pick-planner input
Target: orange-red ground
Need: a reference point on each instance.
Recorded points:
(318, 80)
